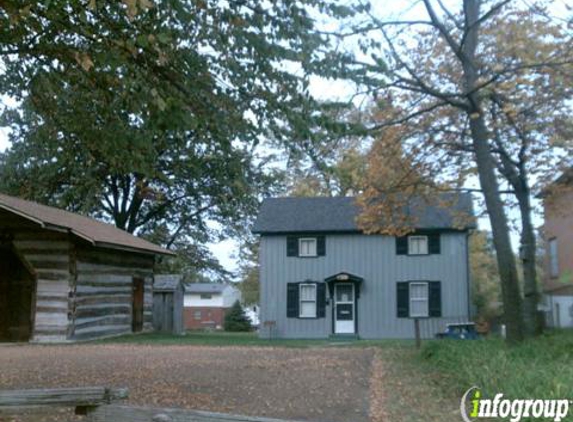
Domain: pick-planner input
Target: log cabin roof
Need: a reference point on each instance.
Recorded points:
(97, 233)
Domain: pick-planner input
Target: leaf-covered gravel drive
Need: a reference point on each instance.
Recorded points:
(312, 384)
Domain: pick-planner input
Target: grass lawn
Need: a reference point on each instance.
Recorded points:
(539, 368)
(428, 385)
(408, 385)
(219, 338)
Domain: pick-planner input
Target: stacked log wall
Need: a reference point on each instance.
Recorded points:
(103, 291)
(47, 255)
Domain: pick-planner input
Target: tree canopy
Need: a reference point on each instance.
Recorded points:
(150, 114)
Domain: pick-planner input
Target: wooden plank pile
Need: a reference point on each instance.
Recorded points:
(100, 405)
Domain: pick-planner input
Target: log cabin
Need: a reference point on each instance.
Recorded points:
(65, 277)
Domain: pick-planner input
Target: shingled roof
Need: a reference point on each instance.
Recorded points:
(205, 287)
(96, 232)
(338, 215)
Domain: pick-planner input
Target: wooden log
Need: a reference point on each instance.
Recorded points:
(114, 320)
(95, 299)
(39, 245)
(100, 331)
(117, 413)
(63, 397)
(50, 265)
(121, 259)
(52, 275)
(90, 290)
(135, 271)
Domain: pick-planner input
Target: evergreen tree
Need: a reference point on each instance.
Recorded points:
(236, 320)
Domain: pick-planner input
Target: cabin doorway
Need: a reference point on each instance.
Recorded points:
(137, 305)
(17, 291)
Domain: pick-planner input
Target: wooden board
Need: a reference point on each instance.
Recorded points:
(117, 413)
(64, 397)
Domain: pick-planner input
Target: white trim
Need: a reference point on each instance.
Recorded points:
(418, 238)
(426, 299)
(307, 239)
(345, 326)
(301, 300)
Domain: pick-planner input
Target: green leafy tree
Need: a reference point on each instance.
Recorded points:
(149, 114)
(236, 320)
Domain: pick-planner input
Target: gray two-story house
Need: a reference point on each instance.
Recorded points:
(321, 276)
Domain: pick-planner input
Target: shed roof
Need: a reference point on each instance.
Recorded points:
(96, 232)
(166, 282)
(205, 287)
(338, 214)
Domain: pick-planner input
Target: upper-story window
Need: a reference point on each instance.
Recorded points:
(553, 258)
(417, 245)
(307, 246)
(206, 296)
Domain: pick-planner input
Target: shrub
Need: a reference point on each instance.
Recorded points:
(236, 320)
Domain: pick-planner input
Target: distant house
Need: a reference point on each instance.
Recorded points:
(205, 304)
(321, 275)
(558, 237)
(65, 277)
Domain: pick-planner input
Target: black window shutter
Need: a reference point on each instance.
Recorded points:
(403, 299)
(292, 300)
(435, 293)
(434, 243)
(402, 245)
(321, 300)
(321, 246)
(292, 246)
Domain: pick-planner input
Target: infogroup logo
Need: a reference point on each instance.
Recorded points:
(473, 407)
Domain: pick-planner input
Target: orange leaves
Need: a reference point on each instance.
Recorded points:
(393, 177)
(135, 6)
(84, 60)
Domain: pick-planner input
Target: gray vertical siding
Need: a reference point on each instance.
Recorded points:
(373, 258)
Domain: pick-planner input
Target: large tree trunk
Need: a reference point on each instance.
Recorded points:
(517, 176)
(511, 295)
(527, 254)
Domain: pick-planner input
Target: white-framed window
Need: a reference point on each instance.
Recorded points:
(307, 246)
(417, 245)
(206, 296)
(553, 258)
(307, 297)
(419, 300)
(197, 315)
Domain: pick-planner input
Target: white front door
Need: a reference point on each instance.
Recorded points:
(344, 308)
